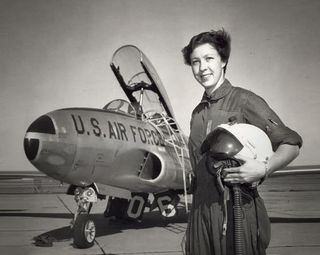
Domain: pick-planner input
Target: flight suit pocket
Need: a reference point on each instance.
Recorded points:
(257, 224)
(218, 117)
(263, 224)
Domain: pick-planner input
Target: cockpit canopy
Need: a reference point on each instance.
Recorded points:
(121, 106)
(139, 80)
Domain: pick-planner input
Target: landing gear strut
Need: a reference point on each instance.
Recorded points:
(83, 226)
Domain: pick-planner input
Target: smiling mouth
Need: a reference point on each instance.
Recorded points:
(205, 76)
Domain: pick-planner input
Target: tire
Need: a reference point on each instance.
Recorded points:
(84, 232)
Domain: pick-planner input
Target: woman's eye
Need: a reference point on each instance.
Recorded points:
(210, 58)
(194, 62)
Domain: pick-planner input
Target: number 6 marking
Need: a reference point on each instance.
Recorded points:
(166, 208)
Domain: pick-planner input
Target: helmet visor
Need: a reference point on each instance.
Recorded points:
(221, 144)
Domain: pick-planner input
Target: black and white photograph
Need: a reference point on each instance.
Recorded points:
(160, 127)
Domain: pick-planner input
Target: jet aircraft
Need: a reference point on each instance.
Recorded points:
(130, 153)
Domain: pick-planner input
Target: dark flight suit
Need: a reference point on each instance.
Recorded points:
(204, 233)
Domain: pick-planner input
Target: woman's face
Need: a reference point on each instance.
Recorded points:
(207, 66)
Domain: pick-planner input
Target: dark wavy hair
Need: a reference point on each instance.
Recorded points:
(219, 39)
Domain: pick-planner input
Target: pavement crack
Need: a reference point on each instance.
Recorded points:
(100, 247)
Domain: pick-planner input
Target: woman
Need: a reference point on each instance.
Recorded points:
(208, 54)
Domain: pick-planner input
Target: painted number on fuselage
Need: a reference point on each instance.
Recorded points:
(117, 131)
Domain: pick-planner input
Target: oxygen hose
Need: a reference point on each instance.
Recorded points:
(239, 245)
(238, 223)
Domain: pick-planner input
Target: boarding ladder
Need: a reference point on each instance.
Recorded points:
(172, 135)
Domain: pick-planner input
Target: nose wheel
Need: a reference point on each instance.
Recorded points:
(83, 226)
(84, 231)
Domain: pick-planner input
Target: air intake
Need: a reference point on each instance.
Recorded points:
(31, 147)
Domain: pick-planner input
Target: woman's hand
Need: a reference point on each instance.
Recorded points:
(250, 171)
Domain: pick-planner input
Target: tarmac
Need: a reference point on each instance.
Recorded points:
(294, 210)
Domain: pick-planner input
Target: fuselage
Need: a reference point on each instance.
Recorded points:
(82, 146)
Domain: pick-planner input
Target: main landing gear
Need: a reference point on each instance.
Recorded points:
(82, 225)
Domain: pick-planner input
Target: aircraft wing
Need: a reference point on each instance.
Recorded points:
(136, 75)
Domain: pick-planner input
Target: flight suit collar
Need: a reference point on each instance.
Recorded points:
(221, 92)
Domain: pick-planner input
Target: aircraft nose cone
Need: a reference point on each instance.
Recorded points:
(42, 125)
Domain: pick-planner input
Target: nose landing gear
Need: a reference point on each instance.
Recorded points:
(82, 225)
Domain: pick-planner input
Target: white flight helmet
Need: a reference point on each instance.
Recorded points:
(229, 140)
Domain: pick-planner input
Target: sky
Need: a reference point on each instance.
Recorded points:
(56, 54)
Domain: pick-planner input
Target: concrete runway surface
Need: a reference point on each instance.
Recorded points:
(28, 210)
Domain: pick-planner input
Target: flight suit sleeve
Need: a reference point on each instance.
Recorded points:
(257, 112)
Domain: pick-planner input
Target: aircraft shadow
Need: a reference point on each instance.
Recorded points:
(109, 226)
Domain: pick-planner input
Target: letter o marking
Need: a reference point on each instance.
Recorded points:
(138, 211)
